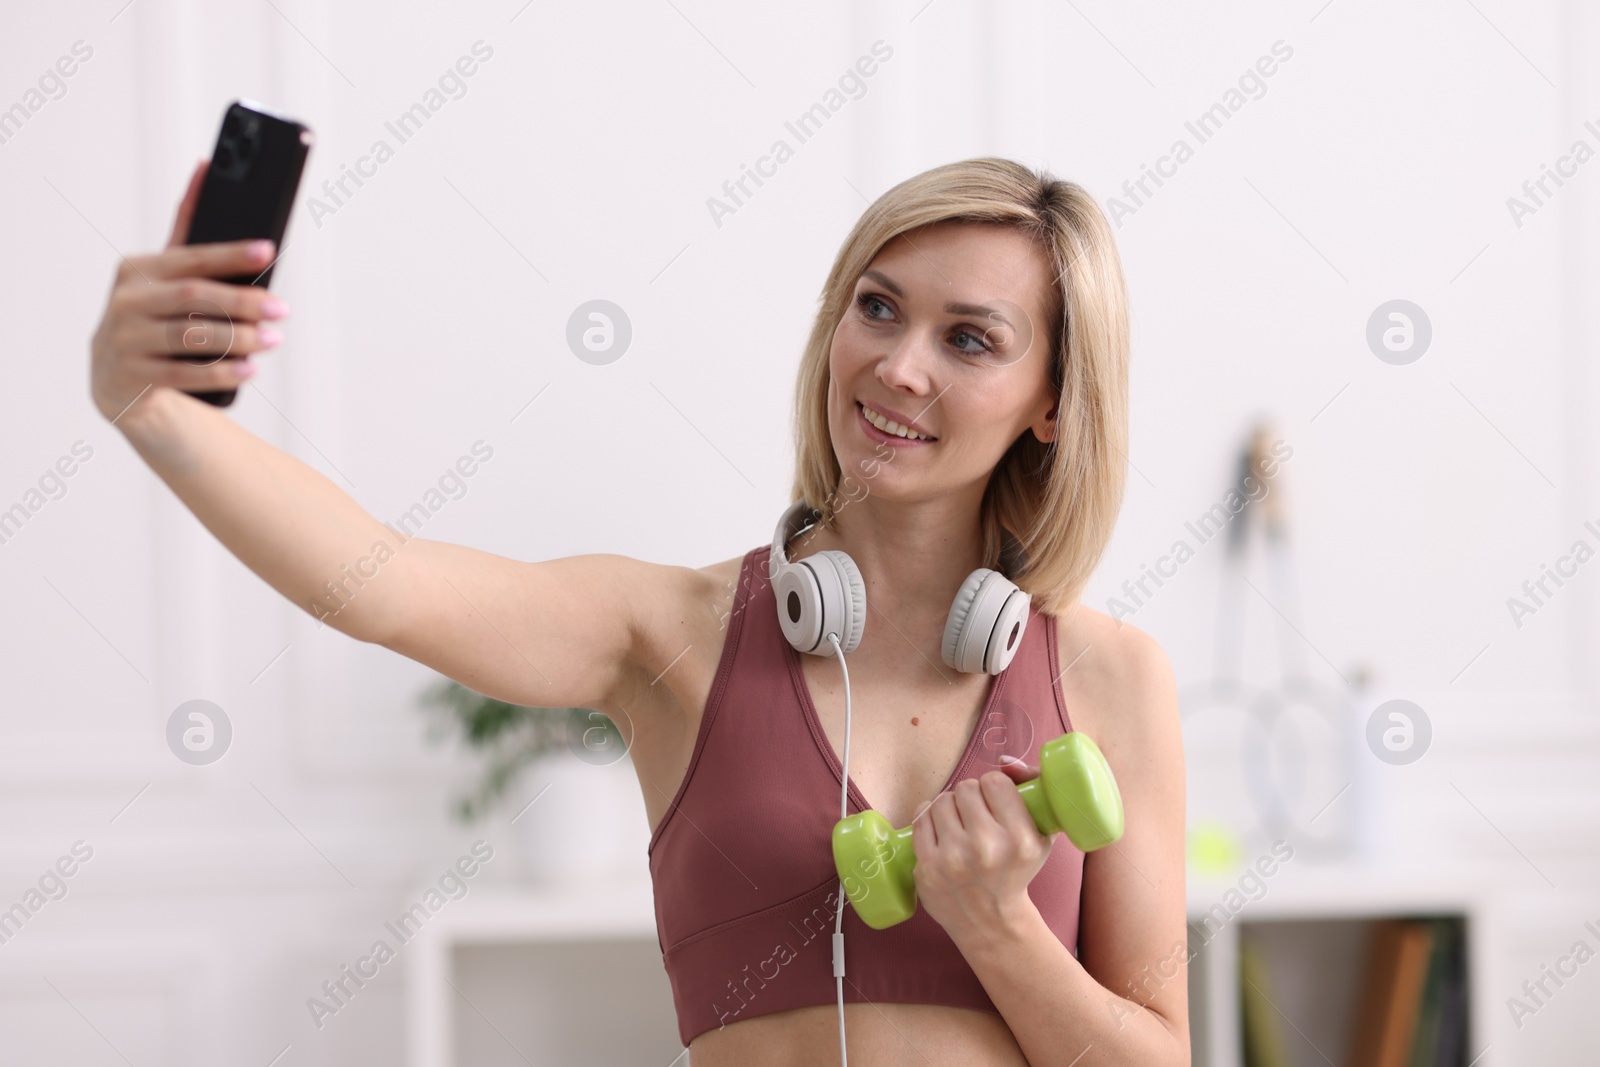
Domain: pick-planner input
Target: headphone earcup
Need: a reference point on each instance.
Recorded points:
(799, 600)
(853, 613)
(986, 622)
(819, 594)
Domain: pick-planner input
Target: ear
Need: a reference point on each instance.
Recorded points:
(1046, 429)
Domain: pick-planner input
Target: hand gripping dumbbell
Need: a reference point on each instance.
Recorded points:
(1075, 792)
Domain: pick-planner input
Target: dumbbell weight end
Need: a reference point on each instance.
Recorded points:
(1075, 793)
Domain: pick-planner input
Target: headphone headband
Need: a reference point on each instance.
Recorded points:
(798, 517)
(823, 594)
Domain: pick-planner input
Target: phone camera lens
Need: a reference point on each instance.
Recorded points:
(238, 144)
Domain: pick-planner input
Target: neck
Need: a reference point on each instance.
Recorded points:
(913, 556)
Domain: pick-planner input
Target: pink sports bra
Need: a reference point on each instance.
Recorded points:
(742, 862)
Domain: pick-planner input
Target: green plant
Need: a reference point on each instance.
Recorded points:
(510, 736)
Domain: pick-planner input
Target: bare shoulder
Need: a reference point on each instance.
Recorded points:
(724, 575)
(679, 609)
(1119, 686)
(1121, 691)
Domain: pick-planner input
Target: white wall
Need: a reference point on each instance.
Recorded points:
(432, 306)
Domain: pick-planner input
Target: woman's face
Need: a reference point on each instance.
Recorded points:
(947, 335)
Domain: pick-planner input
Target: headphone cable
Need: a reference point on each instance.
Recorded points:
(844, 811)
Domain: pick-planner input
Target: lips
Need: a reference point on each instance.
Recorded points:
(900, 421)
(873, 433)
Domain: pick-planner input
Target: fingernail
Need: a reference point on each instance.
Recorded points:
(273, 308)
(269, 336)
(1008, 759)
(260, 249)
(244, 369)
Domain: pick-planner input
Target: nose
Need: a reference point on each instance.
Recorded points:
(905, 366)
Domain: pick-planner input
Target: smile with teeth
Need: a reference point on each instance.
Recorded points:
(889, 426)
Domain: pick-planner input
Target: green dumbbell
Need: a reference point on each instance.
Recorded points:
(1075, 792)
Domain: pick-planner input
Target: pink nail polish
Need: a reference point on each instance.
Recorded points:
(273, 308)
(270, 336)
(245, 369)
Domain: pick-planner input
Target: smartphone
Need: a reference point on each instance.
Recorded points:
(247, 193)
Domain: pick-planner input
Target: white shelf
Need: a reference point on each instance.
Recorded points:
(497, 914)
(510, 913)
(1306, 891)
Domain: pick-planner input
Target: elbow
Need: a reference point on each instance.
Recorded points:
(361, 606)
(339, 616)
(1179, 1053)
(1166, 1044)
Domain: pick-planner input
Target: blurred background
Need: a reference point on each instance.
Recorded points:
(1370, 261)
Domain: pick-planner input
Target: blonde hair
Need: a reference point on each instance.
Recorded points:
(1059, 500)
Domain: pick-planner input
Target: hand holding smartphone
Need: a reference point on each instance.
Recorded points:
(248, 192)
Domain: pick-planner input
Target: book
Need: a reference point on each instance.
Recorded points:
(1425, 1044)
(1263, 1028)
(1453, 1002)
(1390, 998)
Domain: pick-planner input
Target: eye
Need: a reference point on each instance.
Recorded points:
(866, 301)
(984, 344)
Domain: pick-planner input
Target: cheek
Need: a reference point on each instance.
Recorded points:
(849, 350)
(985, 427)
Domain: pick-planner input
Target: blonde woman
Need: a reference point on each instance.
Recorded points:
(962, 404)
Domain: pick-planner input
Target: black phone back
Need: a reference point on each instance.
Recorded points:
(248, 192)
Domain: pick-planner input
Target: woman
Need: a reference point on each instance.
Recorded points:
(964, 388)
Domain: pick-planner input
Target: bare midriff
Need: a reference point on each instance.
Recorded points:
(882, 1035)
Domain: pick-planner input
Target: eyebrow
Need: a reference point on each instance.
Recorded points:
(954, 307)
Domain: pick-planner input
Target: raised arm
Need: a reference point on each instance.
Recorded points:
(568, 632)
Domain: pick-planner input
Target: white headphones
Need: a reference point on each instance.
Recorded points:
(824, 593)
